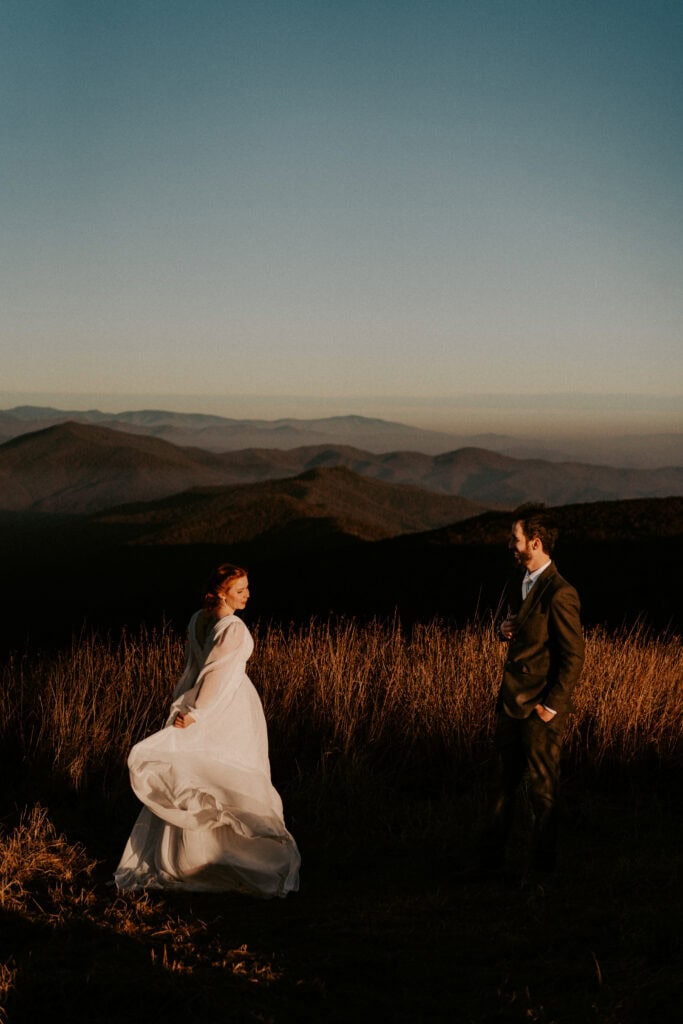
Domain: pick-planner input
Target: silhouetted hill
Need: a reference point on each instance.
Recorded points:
(75, 467)
(595, 522)
(624, 558)
(60, 572)
(319, 506)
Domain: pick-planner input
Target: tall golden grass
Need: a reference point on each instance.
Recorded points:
(344, 700)
(337, 690)
(48, 881)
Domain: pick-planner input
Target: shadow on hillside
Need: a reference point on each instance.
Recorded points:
(90, 576)
(82, 971)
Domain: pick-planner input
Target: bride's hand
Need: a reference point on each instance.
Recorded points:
(182, 721)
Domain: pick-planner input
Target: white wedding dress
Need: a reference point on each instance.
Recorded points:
(212, 820)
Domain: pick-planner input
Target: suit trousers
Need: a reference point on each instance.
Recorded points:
(524, 748)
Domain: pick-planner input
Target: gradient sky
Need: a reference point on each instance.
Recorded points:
(373, 205)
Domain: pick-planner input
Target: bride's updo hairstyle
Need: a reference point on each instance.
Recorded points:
(220, 580)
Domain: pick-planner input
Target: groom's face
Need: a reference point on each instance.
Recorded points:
(520, 545)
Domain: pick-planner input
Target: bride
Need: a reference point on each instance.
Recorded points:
(212, 820)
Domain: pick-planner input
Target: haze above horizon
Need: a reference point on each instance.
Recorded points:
(464, 217)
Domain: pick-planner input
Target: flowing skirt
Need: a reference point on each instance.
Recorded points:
(163, 856)
(212, 820)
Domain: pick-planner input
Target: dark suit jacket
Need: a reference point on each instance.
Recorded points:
(546, 653)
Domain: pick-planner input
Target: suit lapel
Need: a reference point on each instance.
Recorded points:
(535, 594)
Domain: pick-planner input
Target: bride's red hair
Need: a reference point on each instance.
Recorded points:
(220, 580)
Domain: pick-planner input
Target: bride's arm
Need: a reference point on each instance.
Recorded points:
(215, 674)
(218, 665)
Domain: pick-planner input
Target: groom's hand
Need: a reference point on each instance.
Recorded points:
(507, 627)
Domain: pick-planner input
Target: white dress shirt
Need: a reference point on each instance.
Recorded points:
(531, 577)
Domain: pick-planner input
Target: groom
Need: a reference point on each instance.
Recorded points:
(545, 655)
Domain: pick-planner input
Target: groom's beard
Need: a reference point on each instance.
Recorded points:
(522, 558)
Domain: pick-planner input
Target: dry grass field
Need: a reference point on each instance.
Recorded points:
(380, 738)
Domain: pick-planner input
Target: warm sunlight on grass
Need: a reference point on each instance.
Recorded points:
(338, 690)
(40, 870)
(379, 738)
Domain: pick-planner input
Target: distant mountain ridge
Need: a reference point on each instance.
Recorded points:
(222, 434)
(219, 433)
(78, 468)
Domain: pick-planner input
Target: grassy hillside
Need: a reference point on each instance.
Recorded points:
(379, 745)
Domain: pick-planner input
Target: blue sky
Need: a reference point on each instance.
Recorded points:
(392, 208)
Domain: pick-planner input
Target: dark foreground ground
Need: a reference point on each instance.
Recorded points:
(381, 928)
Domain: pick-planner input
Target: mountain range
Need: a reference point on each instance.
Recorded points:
(221, 434)
(77, 468)
(118, 527)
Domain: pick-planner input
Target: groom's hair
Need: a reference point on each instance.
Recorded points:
(536, 521)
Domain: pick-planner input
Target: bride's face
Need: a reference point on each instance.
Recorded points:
(237, 594)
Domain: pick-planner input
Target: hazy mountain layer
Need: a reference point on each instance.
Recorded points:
(220, 434)
(78, 468)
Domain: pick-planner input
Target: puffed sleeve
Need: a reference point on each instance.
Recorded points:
(220, 666)
(220, 676)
